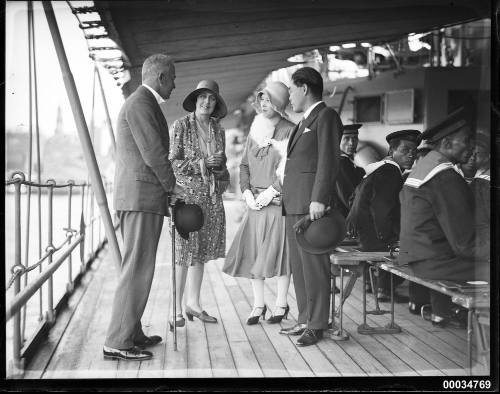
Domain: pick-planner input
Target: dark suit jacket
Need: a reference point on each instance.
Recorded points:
(143, 173)
(348, 178)
(312, 161)
(375, 211)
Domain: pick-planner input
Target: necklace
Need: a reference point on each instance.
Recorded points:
(206, 135)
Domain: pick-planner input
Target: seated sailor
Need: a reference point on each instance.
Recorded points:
(375, 212)
(438, 237)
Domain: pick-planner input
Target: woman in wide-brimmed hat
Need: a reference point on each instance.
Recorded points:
(259, 249)
(199, 164)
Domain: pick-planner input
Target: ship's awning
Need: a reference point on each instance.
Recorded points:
(238, 43)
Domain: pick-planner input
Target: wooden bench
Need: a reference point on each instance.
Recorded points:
(476, 299)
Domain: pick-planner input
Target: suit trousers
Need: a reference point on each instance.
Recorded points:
(311, 279)
(140, 233)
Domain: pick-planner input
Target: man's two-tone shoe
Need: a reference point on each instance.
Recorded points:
(148, 341)
(133, 354)
(310, 337)
(297, 329)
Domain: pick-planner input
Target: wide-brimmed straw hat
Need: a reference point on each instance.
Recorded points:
(187, 218)
(278, 95)
(322, 235)
(211, 86)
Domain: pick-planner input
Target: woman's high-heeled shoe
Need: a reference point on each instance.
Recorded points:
(179, 322)
(277, 318)
(254, 319)
(203, 316)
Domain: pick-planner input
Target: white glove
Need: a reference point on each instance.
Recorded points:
(250, 200)
(266, 196)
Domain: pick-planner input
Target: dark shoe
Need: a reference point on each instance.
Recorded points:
(297, 329)
(309, 337)
(132, 354)
(414, 308)
(148, 341)
(203, 316)
(452, 322)
(253, 318)
(179, 322)
(277, 318)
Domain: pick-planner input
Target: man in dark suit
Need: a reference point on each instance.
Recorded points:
(350, 175)
(143, 181)
(308, 185)
(375, 211)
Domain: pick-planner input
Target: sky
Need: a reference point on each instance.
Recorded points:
(51, 90)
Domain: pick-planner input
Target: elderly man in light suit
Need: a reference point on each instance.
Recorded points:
(308, 186)
(143, 181)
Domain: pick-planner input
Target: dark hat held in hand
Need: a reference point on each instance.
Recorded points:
(322, 235)
(187, 218)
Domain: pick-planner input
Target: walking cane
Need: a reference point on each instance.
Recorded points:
(174, 292)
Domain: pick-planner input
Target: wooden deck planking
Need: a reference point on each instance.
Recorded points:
(156, 315)
(405, 340)
(359, 356)
(316, 358)
(154, 322)
(284, 346)
(79, 347)
(244, 358)
(38, 364)
(449, 342)
(221, 356)
(269, 361)
(231, 348)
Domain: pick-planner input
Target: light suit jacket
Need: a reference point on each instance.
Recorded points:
(143, 173)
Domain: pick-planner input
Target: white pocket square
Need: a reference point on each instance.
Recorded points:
(306, 130)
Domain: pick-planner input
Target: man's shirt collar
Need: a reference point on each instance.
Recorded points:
(158, 98)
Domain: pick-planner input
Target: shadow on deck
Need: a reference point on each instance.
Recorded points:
(231, 348)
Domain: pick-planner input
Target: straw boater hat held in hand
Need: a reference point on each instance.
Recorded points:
(278, 95)
(211, 86)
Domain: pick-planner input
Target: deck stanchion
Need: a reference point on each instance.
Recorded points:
(91, 199)
(50, 246)
(82, 230)
(69, 232)
(83, 134)
(18, 364)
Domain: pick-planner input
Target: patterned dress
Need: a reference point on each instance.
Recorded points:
(209, 243)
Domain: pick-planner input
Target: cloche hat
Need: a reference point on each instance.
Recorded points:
(278, 95)
(211, 86)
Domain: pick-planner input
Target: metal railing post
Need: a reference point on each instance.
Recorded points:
(91, 216)
(18, 364)
(69, 232)
(50, 291)
(82, 228)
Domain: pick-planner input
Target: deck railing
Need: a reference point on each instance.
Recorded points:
(89, 235)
